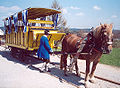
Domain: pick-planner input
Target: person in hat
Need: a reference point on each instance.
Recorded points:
(44, 50)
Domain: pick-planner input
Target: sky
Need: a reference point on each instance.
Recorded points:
(78, 13)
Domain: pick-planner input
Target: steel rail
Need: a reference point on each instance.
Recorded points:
(104, 79)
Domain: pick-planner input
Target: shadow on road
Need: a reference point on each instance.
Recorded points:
(55, 71)
(26, 60)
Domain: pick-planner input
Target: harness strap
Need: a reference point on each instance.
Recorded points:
(97, 50)
(78, 42)
(81, 43)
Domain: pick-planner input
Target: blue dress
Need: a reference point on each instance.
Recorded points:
(44, 48)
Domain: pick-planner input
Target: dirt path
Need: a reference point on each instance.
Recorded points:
(17, 74)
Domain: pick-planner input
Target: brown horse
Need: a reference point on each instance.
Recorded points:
(98, 41)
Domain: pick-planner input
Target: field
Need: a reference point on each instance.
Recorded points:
(112, 59)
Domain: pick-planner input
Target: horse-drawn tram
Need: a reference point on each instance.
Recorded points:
(24, 29)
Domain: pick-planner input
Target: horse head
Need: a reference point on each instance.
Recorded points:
(107, 37)
(103, 36)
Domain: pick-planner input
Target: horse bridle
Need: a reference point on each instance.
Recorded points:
(98, 46)
(107, 40)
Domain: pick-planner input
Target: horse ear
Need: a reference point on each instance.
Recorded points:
(102, 25)
(111, 25)
(105, 25)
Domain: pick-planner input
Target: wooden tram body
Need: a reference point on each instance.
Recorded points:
(30, 39)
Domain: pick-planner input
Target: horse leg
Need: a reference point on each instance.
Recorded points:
(93, 70)
(65, 64)
(73, 62)
(61, 62)
(70, 67)
(77, 70)
(87, 73)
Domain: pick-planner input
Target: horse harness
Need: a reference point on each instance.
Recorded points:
(92, 43)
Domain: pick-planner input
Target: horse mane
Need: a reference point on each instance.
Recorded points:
(106, 27)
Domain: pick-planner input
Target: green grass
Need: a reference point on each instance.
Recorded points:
(111, 59)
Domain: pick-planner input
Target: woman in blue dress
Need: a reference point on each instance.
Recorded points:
(45, 49)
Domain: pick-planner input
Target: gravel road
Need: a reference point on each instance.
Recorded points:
(17, 74)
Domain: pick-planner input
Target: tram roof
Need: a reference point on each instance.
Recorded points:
(34, 13)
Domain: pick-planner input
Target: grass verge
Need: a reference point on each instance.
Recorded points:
(111, 59)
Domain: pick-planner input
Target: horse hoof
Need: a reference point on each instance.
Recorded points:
(92, 81)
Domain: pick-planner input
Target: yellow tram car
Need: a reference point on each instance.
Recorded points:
(24, 29)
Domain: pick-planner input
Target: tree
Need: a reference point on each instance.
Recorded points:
(61, 24)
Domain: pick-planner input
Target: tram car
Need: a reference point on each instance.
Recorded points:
(24, 29)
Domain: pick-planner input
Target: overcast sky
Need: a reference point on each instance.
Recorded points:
(78, 13)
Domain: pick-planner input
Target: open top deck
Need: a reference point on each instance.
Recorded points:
(34, 13)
